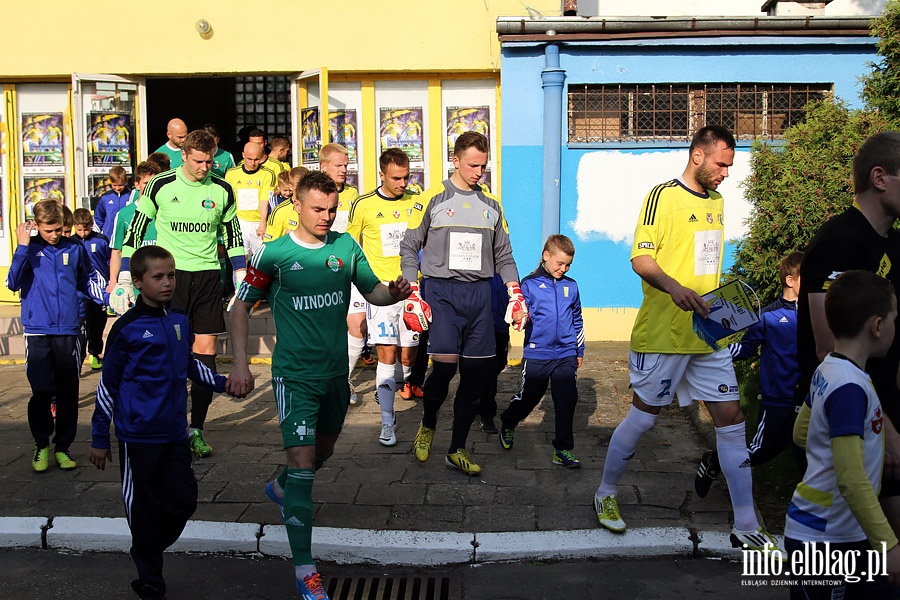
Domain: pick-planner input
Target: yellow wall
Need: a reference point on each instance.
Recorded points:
(159, 38)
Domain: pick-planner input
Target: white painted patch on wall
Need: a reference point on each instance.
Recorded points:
(611, 187)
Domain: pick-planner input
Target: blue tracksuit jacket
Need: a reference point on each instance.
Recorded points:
(555, 329)
(143, 385)
(776, 332)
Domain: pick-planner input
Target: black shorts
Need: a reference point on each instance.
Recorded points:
(462, 322)
(199, 295)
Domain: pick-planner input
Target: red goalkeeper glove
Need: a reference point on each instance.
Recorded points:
(416, 312)
(515, 307)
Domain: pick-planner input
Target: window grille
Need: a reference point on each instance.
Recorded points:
(265, 102)
(672, 112)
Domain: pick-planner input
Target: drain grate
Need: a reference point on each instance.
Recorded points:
(394, 588)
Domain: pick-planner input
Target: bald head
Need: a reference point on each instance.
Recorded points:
(253, 156)
(176, 130)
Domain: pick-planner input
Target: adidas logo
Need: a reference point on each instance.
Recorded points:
(746, 464)
(147, 334)
(693, 219)
(379, 216)
(175, 200)
(296, 267)
(543, 286)
(783, 320)
(294, 521)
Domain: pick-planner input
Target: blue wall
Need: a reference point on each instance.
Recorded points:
(601, 266)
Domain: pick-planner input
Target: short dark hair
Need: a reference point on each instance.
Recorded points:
(117, 175)
(257, 133)
(161, 160)
(315, 180)
(468, 140)
(707, 137)
(211, 129)
(790, 265)
(278, 141)
(200, 141)
(140, 260)
(880, 150)
(147, 168)
(48, 212)
(82, 216)
(68, 219)
(853, 298)
(393, 156)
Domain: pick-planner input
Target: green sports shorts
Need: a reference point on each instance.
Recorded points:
(305, 407)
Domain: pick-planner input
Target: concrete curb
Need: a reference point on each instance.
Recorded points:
(360, 546)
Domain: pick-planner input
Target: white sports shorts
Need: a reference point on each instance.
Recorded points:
(386, 327)
(658, 378)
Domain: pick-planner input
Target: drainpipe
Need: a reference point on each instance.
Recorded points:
(552, 78)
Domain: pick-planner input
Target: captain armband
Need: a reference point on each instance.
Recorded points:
(257, 278)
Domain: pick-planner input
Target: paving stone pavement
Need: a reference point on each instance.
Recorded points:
(366, 485)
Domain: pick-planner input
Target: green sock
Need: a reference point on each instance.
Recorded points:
(298, 513)
(282, 478)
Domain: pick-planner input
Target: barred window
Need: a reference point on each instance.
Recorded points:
(264, 102)
(672, 112)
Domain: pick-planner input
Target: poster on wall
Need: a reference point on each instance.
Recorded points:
(42, 142)
(416, 183)
(309, 135)
(485, 178)
(402, 128)
(352, 180)
(342, 130)
(466, 118)
(109, 139)
(42, 187)
(98, 185)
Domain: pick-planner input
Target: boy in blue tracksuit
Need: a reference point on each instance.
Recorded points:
(776, 332)
(98, 251)
(143, 391)
(554, 348)
(111, 202)
(52, 272)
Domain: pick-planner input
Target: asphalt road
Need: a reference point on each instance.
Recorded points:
(47, 575)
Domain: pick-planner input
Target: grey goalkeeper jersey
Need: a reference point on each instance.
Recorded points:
(463, 235)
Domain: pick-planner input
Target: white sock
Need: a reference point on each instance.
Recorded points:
(401, 372)
(354, 349)
(303, 571)
(621, 448)
(734, 458)
(385, 386)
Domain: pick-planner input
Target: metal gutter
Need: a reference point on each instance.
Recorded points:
(584, 28)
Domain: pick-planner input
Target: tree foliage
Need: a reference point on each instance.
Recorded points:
(797, 184)
(881, 87)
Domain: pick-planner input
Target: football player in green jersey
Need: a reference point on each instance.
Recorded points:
(306, 276)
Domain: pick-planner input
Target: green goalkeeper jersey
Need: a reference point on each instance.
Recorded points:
(187, 216)
(308, 288)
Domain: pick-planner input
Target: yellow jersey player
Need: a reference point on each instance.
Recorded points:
(378, 221)
(253, 185)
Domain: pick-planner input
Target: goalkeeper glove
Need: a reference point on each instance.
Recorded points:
(515, 306)
(416, 312)
(122, 296)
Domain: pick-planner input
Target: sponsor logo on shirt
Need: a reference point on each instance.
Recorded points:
(645, 245)
(314, 301)
(466, 205)
(417, 206)
(693, 219)
(783, 320)
(183, 227)
(147, 334)
(175, 200)
(379, 216)
(296, 267)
